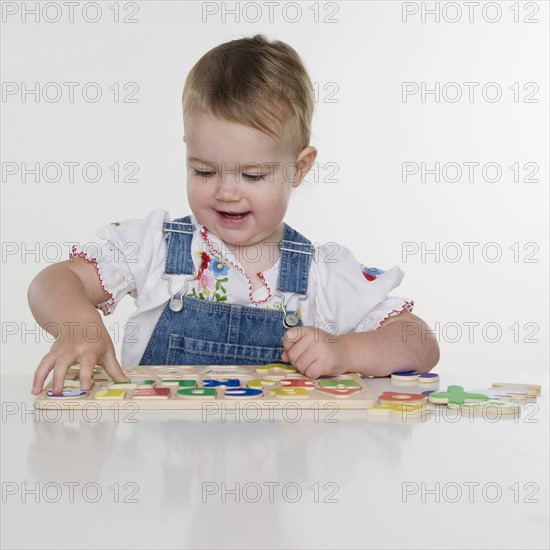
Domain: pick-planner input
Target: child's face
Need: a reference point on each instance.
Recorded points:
(233, 169)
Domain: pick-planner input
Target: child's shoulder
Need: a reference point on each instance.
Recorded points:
(148, 228)
(154, 219)
(333, 263)
(333, 255)
(333, 259)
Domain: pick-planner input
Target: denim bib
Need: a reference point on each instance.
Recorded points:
(191, 331)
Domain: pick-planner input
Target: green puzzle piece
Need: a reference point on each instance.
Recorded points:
(457, 395)
(187, 383)
(197, 392)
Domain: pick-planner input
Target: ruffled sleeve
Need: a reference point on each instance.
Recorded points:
(351, 297)
(125, 260)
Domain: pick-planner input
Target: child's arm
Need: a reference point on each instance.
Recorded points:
(403, 342)
(62, 299)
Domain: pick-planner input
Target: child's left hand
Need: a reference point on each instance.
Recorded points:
(315, 352)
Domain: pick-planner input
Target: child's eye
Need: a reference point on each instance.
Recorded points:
(203, 174)
(251, 177)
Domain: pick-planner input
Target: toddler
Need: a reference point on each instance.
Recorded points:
(231, 283)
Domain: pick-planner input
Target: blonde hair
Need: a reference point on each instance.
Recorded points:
(256, 83)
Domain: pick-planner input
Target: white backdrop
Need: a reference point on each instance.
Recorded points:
(370, 62)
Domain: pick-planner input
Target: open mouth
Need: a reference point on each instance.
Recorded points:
(233, 215)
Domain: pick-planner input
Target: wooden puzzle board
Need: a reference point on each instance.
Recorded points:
(191, 387)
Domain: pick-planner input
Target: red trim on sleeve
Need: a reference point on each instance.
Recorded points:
(102, 308)
(408, 305)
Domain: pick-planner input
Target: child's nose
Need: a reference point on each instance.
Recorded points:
(228, 186)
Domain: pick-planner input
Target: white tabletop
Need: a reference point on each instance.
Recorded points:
(316, 479)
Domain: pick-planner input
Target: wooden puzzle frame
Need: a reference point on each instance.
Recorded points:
(346, 392)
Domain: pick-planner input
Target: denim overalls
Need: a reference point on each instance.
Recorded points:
(191, 331)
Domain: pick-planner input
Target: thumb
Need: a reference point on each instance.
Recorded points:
(291, 336)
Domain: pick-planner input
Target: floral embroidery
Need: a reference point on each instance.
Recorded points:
(116, 224)
(205, 259)
(370, 273)
(219, 268)
(211, 275)
(212, 246)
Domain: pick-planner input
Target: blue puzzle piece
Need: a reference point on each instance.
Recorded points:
(230, 383)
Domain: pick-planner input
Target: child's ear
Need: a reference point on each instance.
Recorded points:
(303, 164)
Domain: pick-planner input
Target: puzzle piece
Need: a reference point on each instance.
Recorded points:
(413, 376)
(74, 384)
(290, 393)
(456, 395)
(274, 368)
(341, 387)
(504, 395)
(532, 390)
(242, 393)
(396, 397)
(490, 407)
(298, 383)
(229, 382)
(151, 393)
(338, 383)
(144, 382)
(340, 392)
(180, 383)
(110, 394)
(259, 383)
(67, 393)
(197, 393)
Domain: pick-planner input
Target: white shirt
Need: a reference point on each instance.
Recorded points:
(341, 298)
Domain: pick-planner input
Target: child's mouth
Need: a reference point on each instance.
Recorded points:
(233, 215)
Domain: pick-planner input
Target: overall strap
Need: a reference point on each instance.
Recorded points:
(178, 235)
(295, 261)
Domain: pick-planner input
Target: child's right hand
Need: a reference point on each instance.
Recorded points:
(86, 342)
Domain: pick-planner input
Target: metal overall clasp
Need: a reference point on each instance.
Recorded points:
(291, 319)
(176, 300)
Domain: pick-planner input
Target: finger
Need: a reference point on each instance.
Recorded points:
(297, 362)
(304, 362)
(291, 338)
(60, 369)
(292, 335)
(315, 369)
(87, 364)
(287, 344)
(44, 368)
(112, 366)
(298, 349)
